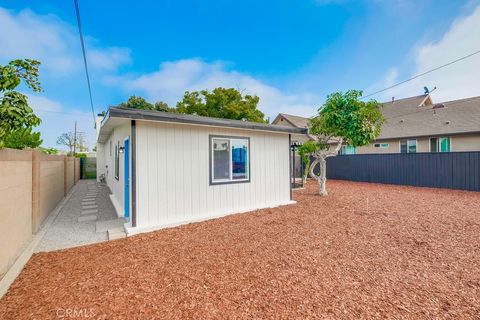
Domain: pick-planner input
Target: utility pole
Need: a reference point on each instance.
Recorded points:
(75, 139)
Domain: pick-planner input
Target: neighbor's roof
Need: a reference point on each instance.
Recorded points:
(160, 116)
(405, 118)
(418, 116)
(296, 121)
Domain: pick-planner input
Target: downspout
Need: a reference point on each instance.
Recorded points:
(290, 163)
(134, 173)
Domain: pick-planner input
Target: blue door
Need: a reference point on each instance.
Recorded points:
(127, 178)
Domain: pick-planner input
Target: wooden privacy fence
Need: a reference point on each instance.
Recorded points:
(452, 170)
(31, 186)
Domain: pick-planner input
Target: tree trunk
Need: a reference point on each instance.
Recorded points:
(322, 179)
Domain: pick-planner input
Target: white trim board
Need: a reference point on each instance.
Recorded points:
(116, 205)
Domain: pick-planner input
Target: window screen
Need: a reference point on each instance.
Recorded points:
(412, 146)
(221, 159)
(117, 161)
(445, 144)
(433, 145)
(230, 159)
(403, 146)
(408, 146)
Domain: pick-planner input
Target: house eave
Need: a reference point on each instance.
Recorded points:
(146, 115)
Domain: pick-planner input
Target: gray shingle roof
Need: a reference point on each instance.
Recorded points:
(297, 121)
(404, 118)
(129, 113)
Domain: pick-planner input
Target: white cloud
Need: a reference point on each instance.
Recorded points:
(57, 119)
(109, 58)
(456, 81)
(26, 34)
(175, 77)
(56, 44)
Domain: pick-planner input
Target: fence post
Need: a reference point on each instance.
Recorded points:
(74, 171)
(35, 190)
(65, 175)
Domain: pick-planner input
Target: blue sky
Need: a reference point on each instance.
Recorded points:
(290, 53)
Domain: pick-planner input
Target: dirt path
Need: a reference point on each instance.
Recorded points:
(365, 251)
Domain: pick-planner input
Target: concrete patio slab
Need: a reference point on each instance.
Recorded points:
(102, 226)
(66, 231)
(117, 233)
(88, 217)
(89, 211)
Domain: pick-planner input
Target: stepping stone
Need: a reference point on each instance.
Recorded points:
(102, 226)
(91, 193)
(116, 233)
(89, 197)
(90, 211)
(88, 217)
(93, 206)
(89, 202)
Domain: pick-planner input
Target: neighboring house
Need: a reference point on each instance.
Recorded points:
(295, 122)
(417, 124)
(165, 169)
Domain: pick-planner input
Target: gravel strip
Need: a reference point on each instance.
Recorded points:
(365, 251)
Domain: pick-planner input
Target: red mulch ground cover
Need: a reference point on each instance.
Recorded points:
(365, 251)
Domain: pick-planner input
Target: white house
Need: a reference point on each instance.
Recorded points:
(166, 169)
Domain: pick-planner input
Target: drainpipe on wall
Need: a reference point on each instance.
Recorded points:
(134, 172)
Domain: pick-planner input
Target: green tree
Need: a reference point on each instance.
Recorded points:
(23, 138)
(136, 102)
(140, 103)
(228, 103)
(48, 150)
(343, 119)
(16, 117)
(163, 106)
(305, 151)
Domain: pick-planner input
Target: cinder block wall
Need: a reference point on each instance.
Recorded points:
(51, 186)
(15, 204)
(70, 172)
(31, 186)
(77, 170)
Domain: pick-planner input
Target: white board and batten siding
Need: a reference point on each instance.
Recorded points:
(173, 174)
(106, 166)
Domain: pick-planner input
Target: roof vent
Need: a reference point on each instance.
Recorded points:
(438, 106)
(447, 122)
(402, 121)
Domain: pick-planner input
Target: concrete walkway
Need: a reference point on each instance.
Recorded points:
(84, 219)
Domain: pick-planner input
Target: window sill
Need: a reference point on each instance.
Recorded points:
(212, 183)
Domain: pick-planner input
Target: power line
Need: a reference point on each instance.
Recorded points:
(77, 11)
(422, 74)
